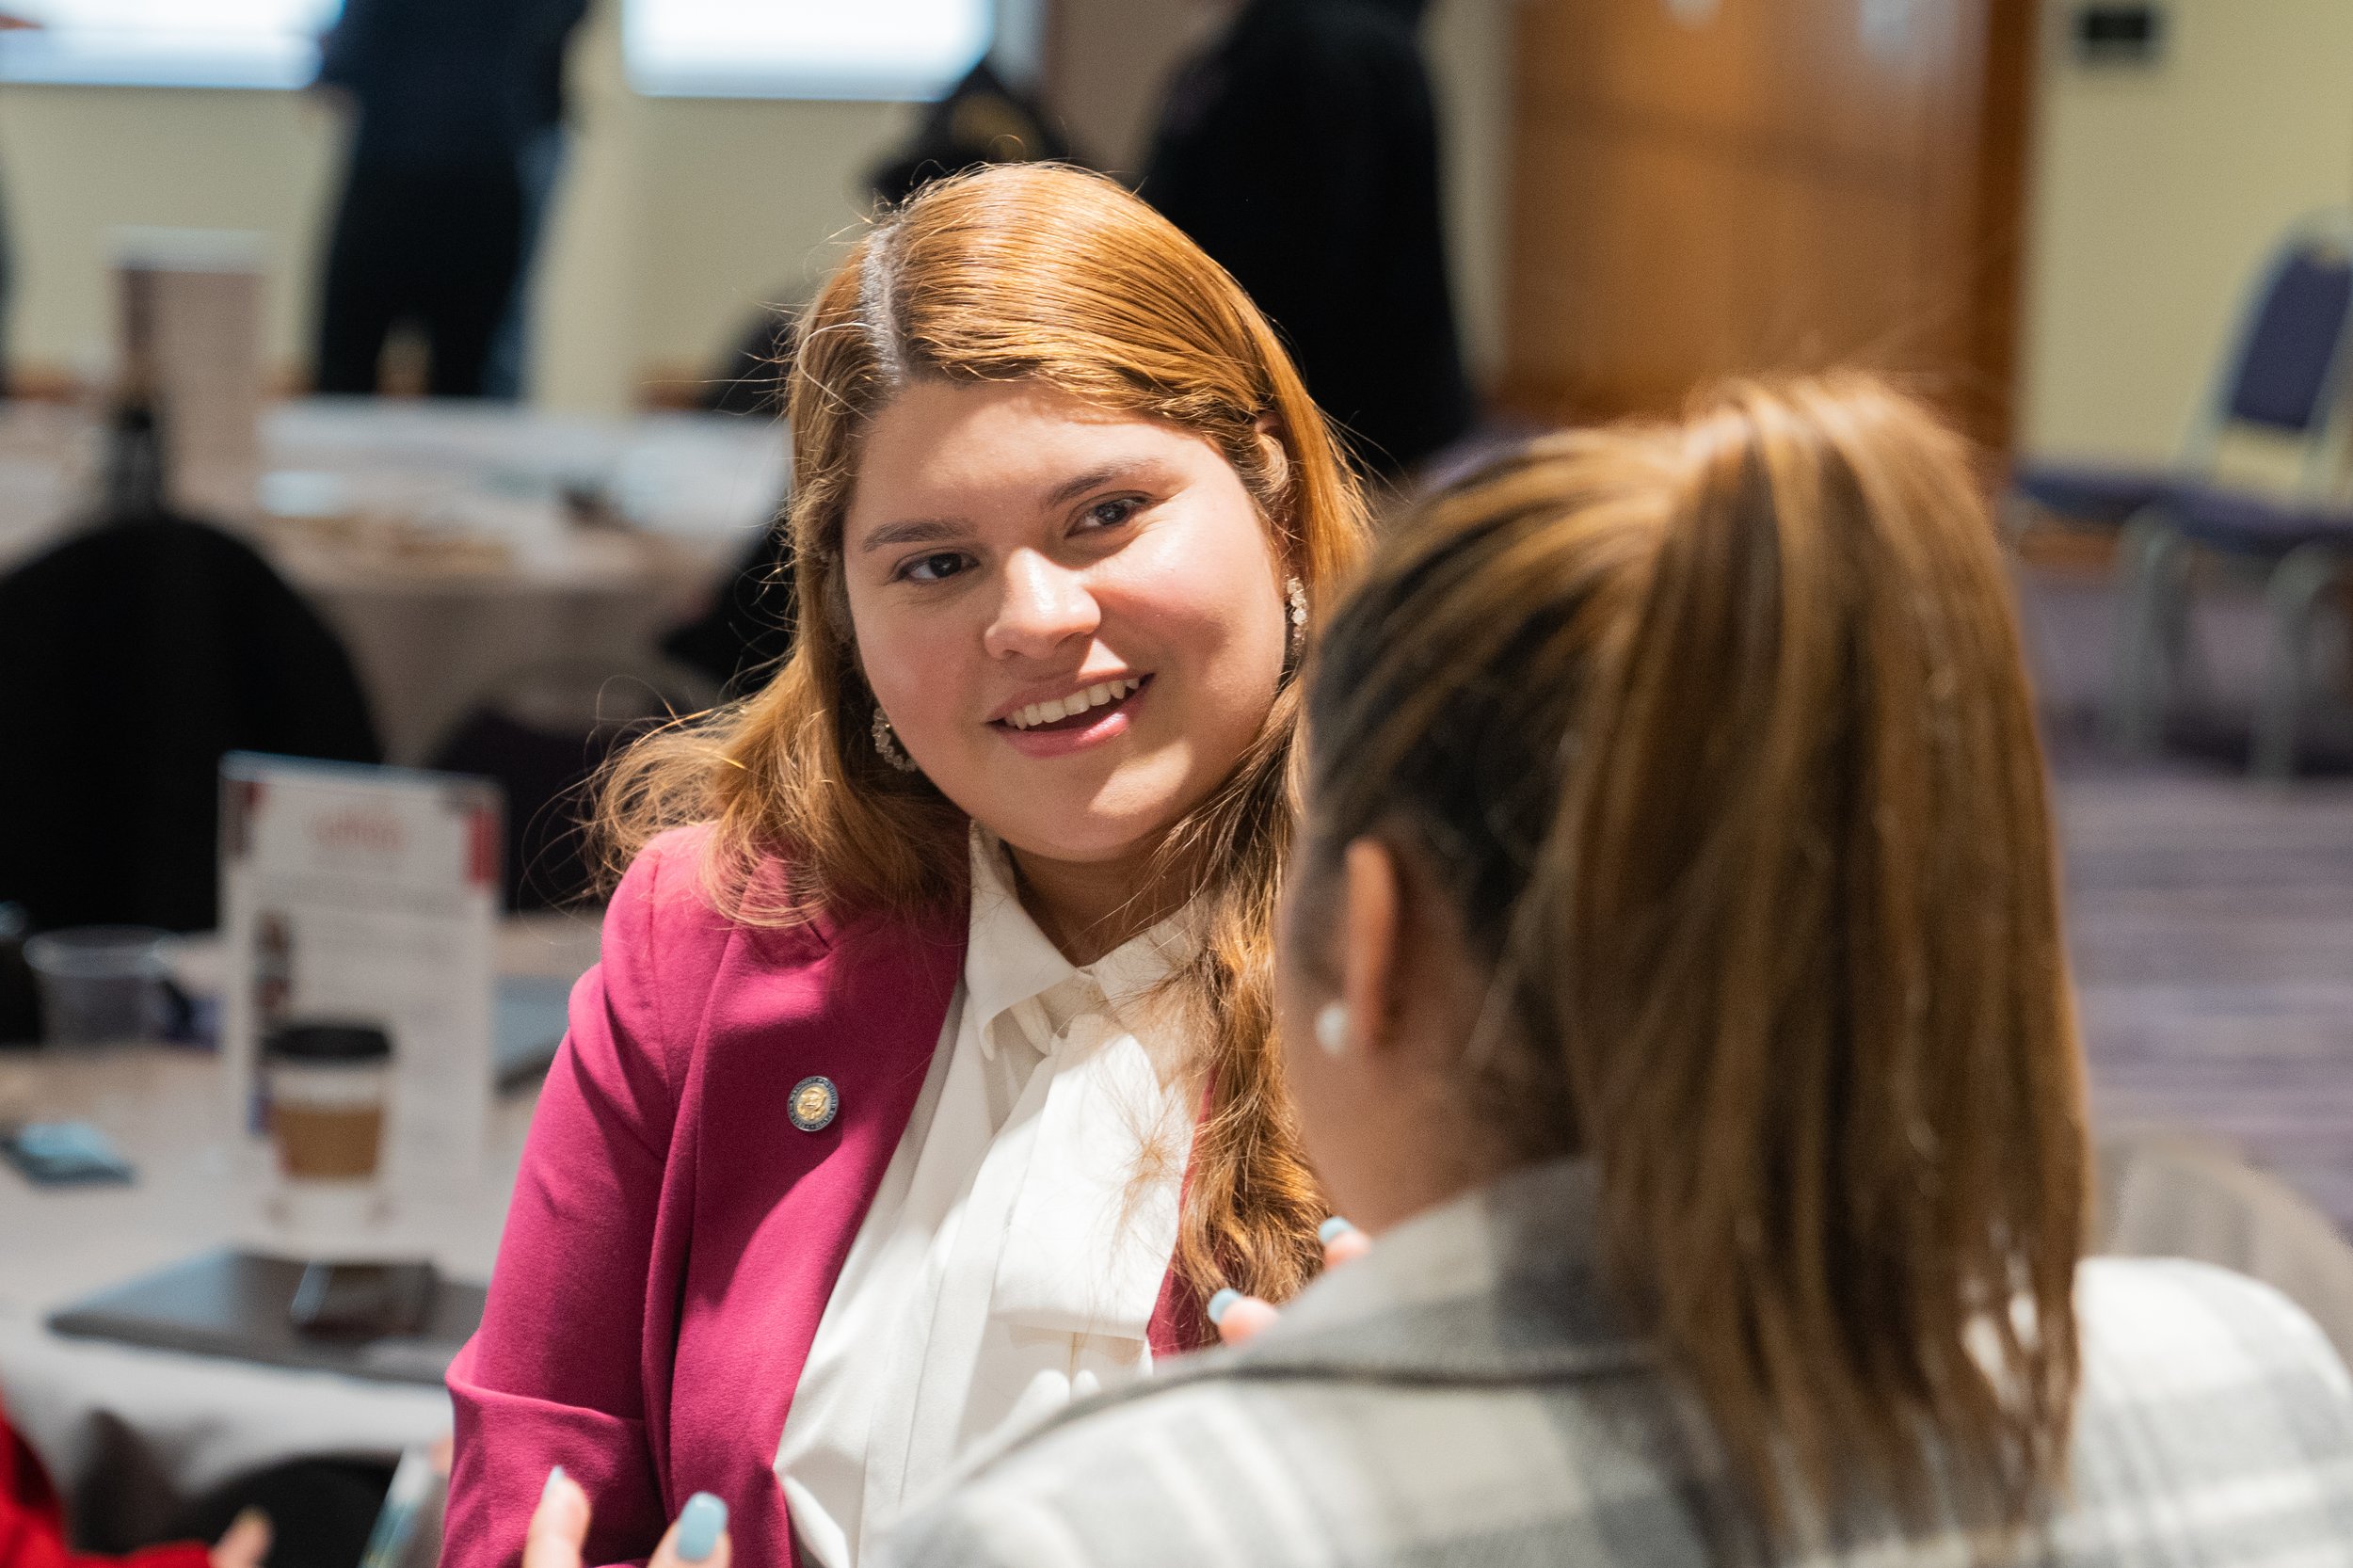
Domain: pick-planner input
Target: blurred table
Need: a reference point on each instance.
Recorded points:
(192, 1422)
(454, 544)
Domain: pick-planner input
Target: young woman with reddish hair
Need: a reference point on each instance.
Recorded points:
(928, 1079)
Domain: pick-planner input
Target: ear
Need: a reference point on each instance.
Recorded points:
(1272, 432)
(1369, 922)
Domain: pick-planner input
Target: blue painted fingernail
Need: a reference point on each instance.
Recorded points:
(699, 1525)
(555, 1474)
(1220, 1303)
(1333, 1229)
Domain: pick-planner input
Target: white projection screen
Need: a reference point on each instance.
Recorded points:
(167, 44)
(879, 49)
(890, 49)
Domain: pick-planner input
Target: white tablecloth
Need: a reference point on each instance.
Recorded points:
(201, 1420)
(442, 540)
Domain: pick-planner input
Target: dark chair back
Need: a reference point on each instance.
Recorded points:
(2286, 369)
(544, 733)
(132, 656)
(2283, 374)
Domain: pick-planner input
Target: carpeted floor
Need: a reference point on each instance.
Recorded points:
(2212, 927)
(2211, 919)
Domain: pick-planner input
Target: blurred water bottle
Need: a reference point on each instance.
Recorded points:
(100, 983)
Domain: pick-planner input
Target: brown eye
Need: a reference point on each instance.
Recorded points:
(1111, 513)
(934, 569)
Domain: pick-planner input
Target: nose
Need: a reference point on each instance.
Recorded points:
(1043, 606)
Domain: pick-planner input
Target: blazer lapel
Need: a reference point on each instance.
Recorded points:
(777, 1204)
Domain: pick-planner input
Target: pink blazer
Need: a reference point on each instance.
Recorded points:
(674, 1236)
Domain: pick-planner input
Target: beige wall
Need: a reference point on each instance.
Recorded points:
(1469, 43)
(2155, 192)
(679, 217)
(75, 162)
(676, 218)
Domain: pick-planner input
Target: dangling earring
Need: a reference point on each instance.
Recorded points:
(1332, 1028)
(1295, 595)
(887, 744)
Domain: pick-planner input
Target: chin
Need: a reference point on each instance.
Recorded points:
(1111, 819)
(1052, 838)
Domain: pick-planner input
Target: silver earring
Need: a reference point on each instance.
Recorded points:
(1332, 1028)
(887, 744)
(1295, 595)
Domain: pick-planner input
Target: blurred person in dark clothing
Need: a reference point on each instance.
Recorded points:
(447, 94)
(539, 163)
(1300, 151)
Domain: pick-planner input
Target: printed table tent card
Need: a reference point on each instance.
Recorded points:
(367, 895)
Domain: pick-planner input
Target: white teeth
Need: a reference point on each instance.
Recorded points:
(1077, 702)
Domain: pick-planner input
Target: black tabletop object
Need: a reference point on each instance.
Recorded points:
(238, 1306)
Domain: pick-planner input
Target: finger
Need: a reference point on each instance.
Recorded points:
(1342, 1242)
(245, 1542)
(697, 1538)
(1239, 1318)
(559, 1525)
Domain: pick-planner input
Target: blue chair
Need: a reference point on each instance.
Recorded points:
(2286, 379)
(2277, 378)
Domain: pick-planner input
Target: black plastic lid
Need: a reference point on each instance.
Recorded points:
(328, 1042)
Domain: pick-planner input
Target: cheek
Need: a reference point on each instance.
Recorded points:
(920, 668)
(1217, 609)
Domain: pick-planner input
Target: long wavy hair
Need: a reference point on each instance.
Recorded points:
(1717, 737)
(1054, 275)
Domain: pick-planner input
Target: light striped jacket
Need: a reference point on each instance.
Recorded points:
(1457, 1397)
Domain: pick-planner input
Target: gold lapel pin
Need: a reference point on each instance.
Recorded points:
(815, 1102)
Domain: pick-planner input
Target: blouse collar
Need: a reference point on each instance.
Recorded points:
(1013, 973)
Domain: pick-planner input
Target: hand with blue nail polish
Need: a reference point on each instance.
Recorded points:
(1241, 1319)
(558, 1533)
(700, 1534)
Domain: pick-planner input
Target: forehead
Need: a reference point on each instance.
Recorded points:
(957, 449)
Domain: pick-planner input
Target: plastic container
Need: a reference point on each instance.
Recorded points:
(100, 984)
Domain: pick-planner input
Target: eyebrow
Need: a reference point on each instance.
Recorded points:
(941, 531)
(1095, 478)
(913, 531)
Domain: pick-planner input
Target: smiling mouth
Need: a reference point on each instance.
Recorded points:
(1081, 708)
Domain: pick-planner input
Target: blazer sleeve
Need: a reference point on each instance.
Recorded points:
(558, 1373)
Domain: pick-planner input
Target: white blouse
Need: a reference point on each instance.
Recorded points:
(1015, 1252)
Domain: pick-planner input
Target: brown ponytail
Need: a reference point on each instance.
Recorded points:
(1720, 737)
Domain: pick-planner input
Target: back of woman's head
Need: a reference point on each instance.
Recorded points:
(1717, 737)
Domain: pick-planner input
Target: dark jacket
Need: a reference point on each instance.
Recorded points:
(132, 656)
(443, 84)
(1300, 151)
